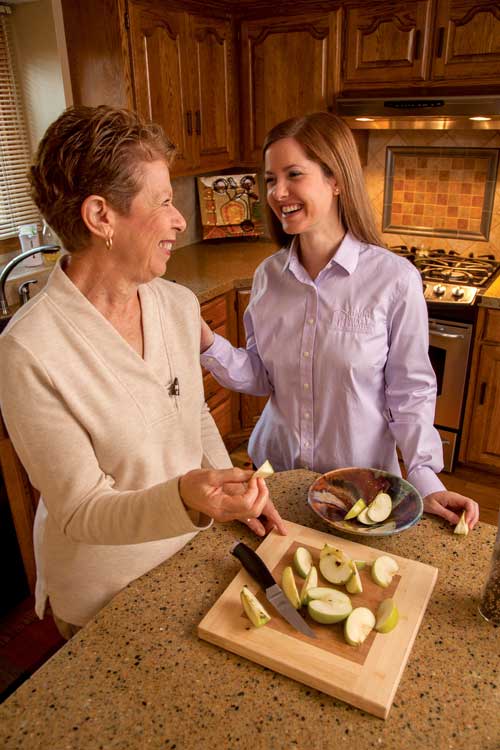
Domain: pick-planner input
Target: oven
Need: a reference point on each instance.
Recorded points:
(449, 350)
(452, 284)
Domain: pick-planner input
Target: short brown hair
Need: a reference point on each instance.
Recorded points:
(92, 151)
(327, 140)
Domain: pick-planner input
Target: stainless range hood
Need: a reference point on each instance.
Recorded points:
(421, 113)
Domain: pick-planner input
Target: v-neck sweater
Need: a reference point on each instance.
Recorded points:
(104, 438)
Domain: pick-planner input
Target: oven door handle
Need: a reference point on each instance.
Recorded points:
(446, 335)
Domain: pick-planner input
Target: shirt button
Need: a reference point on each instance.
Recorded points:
(310, 321)
(306, 386)
(306, 444)
(306, 354)
(306, 414)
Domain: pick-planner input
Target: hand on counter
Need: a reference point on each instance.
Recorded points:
(449, 505)
(207, 336)
(229, 495)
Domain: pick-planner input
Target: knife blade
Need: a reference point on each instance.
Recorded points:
(259, 571)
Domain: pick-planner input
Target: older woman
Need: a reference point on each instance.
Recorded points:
(100, 383)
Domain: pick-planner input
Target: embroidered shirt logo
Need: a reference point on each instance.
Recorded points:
(353, 320)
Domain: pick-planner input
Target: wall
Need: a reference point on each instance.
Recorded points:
(38, 65)
(375, 172)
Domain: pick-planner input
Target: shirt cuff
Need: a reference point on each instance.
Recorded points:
(425, 481)
(215, 352)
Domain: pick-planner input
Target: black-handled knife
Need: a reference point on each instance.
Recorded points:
(259, 571)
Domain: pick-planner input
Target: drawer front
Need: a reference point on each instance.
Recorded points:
(214, 393)
(215, 312)
(223, 417)
(492, 327)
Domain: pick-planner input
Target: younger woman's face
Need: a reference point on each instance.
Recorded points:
(298, 191)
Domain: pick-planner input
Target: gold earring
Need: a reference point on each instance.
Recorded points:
(109, 242)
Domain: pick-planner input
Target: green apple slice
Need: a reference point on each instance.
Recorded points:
(290, 587)
(387, 616)
(328, 611)
(359, 625)
(334, 565)
(363, 517)
(253, 608)
(302, 561)
(360, 564)
(354, 585)
(264, 471)
(380, 508)
(326, 594)
(356, 509)
(462, 526)
(383, 569)
(310, 583)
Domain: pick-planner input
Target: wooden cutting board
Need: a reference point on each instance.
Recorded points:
(366, 676)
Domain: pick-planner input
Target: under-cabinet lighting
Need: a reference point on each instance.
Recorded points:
(480, 118)
(364, 119)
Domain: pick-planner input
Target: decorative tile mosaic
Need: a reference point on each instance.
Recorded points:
(445, 192)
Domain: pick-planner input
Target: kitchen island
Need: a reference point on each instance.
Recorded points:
(137, 676)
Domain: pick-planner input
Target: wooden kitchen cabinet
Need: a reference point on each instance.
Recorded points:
(183, 74)
(250, 406)
(467, 42)
(289, 66)
(223, 403)
(481, 443)
(395, 44)
(387, 43)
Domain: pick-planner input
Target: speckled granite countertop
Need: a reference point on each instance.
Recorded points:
(138, 676)
(212, 268)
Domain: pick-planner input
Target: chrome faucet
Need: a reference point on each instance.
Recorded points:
(23, 291)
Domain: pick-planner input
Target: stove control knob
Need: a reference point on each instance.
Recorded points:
(439, 290)
(457, 292)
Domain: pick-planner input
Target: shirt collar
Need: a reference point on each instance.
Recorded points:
(346, 257)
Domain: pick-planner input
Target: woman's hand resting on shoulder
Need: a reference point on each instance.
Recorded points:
(450, 505)
(231, 495)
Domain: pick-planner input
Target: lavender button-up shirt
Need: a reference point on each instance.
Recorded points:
(344, 359)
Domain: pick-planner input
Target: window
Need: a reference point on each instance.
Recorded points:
(16, 206)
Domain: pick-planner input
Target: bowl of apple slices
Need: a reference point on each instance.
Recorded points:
(365, 502)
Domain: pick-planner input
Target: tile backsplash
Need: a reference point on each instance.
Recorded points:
(410, 187)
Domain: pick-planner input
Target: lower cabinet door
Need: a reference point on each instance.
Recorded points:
(484, 437)
(222, 414)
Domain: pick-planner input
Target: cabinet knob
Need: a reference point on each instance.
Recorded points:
(189, 118)
(440, 41)
(482, 393)
(197, 117)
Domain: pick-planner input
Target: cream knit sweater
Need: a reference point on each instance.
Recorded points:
(103, 440)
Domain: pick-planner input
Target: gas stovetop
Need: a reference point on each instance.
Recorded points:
(451, 277)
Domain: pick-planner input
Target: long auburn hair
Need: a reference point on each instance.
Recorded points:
(327, 140)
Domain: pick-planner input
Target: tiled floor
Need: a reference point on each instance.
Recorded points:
(26, 642)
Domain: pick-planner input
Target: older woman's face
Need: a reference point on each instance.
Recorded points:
(143, 240)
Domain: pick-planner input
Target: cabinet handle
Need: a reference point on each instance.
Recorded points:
(440, 41)
(189, 118)
(416, 51)
(482, 393)
(208, 322)
(197, 116)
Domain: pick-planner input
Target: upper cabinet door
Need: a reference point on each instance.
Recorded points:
(214, 94)
(161, 78)
(289, 67)
(387, 43)
(467, 42)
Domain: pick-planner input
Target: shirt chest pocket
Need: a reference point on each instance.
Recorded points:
(358, 341)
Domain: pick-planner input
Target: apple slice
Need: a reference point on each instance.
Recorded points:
(356, 509)
(363, 517)
(290, 587)
(383, 569)
(354, 585)
(360, 564)
(387, 616)
(334, 565)
(359, 625)
(380, 508)
(310, 583)
(462, 526)
(326, 594)
(302, 561)
(264, 471)
(328, 611)
(253, 608)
